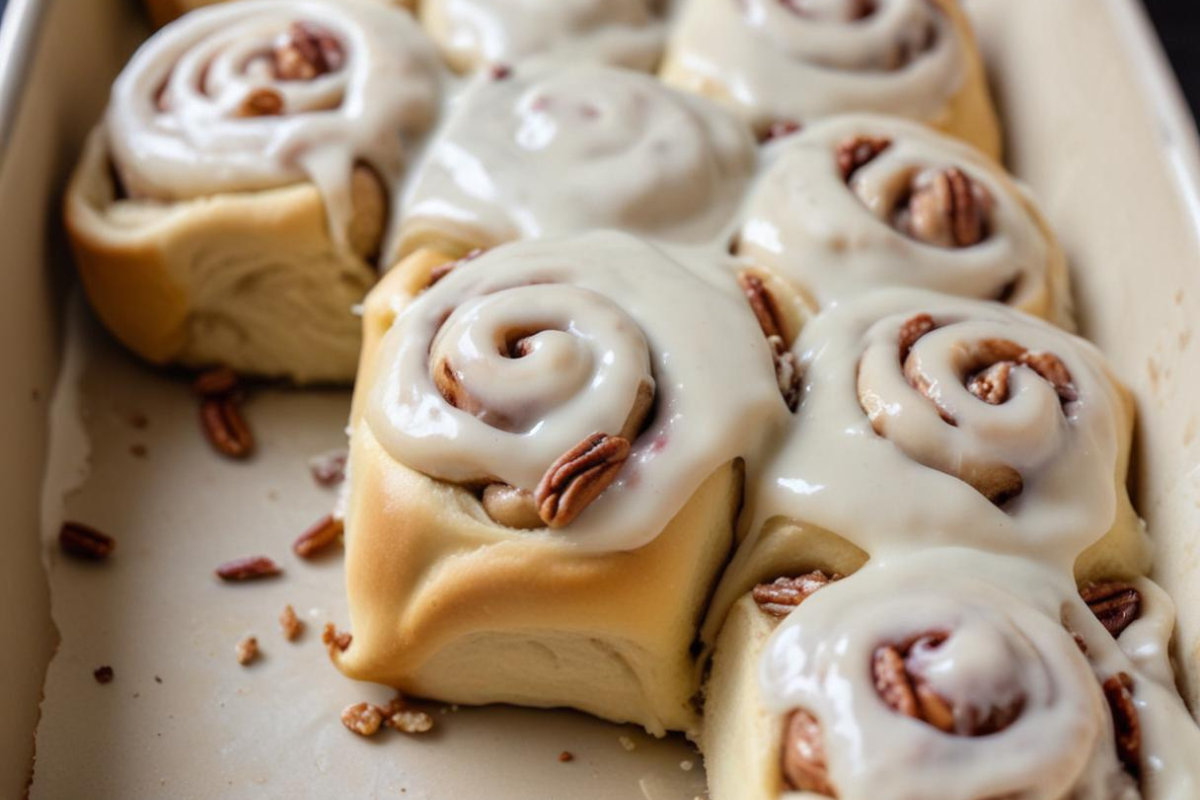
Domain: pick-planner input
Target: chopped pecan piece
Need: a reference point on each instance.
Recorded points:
(578, 477)
(946, 209)
(320, 536)
(334, 640)
(782, 595)
(762, 303)
(911, 331)
(261, 102)
(247, 650)
(854, 154)
(1118, 691)
(1054, 372)
(1115, 604)
(225, 427)
(291, 625)
(991, 385)
(804, 766)
(249, 568)
(362, 718)
(85, 542)
(103, 674)
(329, 469)
(408, 720)
(307, 52)
(787, 372)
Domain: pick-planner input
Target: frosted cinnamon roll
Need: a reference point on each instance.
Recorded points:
(930, 420)
(231, 206)
(536, 152)
(163, 11)
(546, 462)
(475, 33)
(788, 63)
(858, 203)
(945, 675)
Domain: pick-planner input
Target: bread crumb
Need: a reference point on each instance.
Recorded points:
(627, 743)
(408, 720)
(686, 765)
(247, 650)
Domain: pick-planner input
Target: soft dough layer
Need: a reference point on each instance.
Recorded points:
(789, 63)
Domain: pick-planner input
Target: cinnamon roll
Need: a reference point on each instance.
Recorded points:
(928, 420)
(476, 33)
(164, 11)
(549, 151)
(787, 63)
(546, 461)
(231, 206)
(942, 675)
(863, 202)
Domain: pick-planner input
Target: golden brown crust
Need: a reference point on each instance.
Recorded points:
(164, 11)
(437, 589)
(177, 282)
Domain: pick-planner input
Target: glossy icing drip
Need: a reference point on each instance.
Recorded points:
(798, 61)
(177, 122)
(836, 235)
(565, 149)
(602, 315)
(1002, 644)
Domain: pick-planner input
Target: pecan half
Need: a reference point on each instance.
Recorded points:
(946, 209)
(261, 102)
(216, 382)
(762, 303)
(804, 765)
(578, 477)
(782, 595)
(362, 718)
(1118, 691)
(900, 684)
(854, 154)
(225, 427)
(1115, 604)
(307, 52)
(248, 569)
(85, 542)
(321, 535)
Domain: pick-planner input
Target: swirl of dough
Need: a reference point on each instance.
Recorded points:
(1017, 428)
(800, 60)
(543, 152)
(538, 361)
(472, 33)
(956, 688)
(862, 202)
(260, 94)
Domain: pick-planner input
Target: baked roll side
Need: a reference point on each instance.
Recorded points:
(541, 151)
(469, 539)
(862, 202)
(232, 205)
(794, 63)
(163, 12)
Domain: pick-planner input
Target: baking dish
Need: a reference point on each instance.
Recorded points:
(1094, 125)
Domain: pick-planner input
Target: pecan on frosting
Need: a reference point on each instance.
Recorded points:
(779, 597)
(853, 154)
(1127, 728)
(306, 52)
(945, 208)
(578, 477)
(804, 766)
(771, 321)
(1115, 604)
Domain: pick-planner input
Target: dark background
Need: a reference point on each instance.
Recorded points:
(1178, 24)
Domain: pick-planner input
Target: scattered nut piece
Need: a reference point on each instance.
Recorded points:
(565, 756)
(261, 102)
(627, 743)
(85, 542)
(247, 650)
(103, 674)
(362, 718)
(329, 469)
(291, 625)
(225, 427)
(408, 720)
(248, 568)
(320, 535)
(335, 641)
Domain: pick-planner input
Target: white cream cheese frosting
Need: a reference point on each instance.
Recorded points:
(545, 151)
(177, 124)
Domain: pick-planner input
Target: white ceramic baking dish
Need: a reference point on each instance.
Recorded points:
(1095, 126)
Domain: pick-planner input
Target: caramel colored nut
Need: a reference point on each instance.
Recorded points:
(321, 535)
(103, 674)
(762, 303)
(804, 765)
(945, 209)
(334, 640)
(85, 542)
(307, 52)
(291, 625)
(578, 477)
(780, 597)
(787, 372)
(852, 155)
(1115, 604)
(362, 718)
(1118, 691)
(262, 102)
(247, 650)
(247, 569)
(216, 382)
(225, 428)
